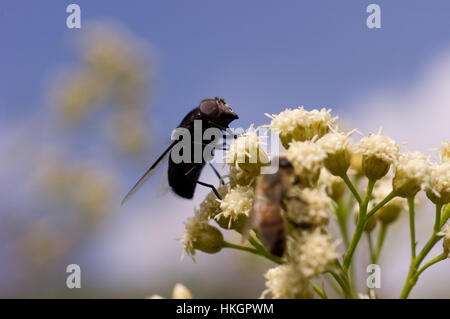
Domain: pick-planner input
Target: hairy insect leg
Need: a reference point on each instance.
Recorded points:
(210, 186)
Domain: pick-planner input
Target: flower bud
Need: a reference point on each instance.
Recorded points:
(378, 153)
(411, 174)
(390, 211)
(245, 153)
(312, 252)
(210, 206)
(181, 292)
(209, 240)
(238, 201)
(198, 235)
(286, 282)
(337, 159)
(438, 190)
(334, 186)
(301, 125)
(231, 222)
(307, 160)
(373, 167)
(240, 177)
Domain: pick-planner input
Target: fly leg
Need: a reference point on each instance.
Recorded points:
(210, 186)
(217, 173)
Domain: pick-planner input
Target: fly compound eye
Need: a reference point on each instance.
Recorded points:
(209, 108)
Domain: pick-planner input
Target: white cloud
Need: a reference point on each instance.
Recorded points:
(417, 113)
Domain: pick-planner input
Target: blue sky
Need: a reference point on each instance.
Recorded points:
(259, 55)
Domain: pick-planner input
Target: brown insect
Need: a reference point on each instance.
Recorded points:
(271, 197)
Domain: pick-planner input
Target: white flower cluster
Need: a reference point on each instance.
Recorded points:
(334, 142)
(301, 125)
(246, 153)
(179, 292)
(411, 174)
(286, 282)
(193, 226)
(210, 206)
(307, 159)
(381, 147)
(309, 206)
(199, 235)
(237, 202)
(313, 253)
(336, 146)
(439, 184)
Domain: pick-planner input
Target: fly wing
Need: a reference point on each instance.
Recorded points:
(163, 187)
(149, 173)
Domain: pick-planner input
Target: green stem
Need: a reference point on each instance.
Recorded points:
(352, 188)
(346, 280)
(226, 244)
(345, 288)
(255, 251)
(380, 241)
(412, 226)
(412, 277)
(263, 251)
(445, 214)
(371, 250)
(437, 223)
(332, 284)
(433, 261)
(359, 227)
(341, 215)
(319, 291)
(390, 196)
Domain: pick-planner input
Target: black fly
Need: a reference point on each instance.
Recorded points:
(183, 176)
